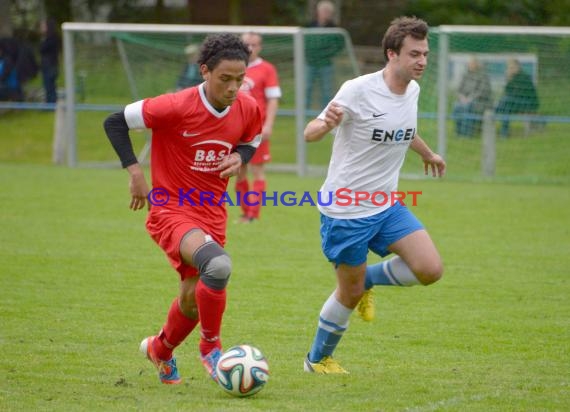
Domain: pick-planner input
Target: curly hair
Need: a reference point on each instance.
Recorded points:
(399, 29)
(223, 46)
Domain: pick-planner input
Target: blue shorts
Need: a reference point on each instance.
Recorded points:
(347, 241)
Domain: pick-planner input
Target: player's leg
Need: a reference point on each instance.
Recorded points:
(182, 316)
(345, 244)
(259, 186)
(310, 79)
(334, 319)
(417, 260)
(327, 84)
(181, 320)
(401, 230)
(256, 166)
(242, 187)
(418, 257)
(214, 266)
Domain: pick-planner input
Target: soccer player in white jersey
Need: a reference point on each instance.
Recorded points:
(374, 120)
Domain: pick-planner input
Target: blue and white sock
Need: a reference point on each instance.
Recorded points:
(333, 321)
(392, 272)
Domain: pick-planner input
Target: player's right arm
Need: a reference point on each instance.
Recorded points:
(317, 128)
(117, 131)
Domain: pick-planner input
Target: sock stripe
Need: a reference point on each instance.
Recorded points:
(330, 326)
(390, 274)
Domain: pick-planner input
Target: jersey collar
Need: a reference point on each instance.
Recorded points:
(207, 104)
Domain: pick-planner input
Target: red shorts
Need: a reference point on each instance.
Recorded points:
(167, 229)
(262, 154)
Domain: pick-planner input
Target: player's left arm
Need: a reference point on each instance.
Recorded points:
(431, 160)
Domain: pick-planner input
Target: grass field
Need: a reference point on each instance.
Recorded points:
(81, 284)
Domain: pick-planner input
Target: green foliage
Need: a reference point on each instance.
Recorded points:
(490, 12)
(289, 13)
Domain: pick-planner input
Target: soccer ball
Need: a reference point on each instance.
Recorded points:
(242, 370)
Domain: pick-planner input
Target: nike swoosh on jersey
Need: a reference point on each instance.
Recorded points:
(186, 134)
(379, 114)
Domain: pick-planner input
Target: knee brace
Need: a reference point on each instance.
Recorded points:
(214, 265)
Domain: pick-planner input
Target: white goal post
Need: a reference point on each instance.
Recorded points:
(74, 31)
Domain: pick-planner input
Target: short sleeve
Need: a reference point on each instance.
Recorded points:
(346, 98)
(272, 88)
(161, 111)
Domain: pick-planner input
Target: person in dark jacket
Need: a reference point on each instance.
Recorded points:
(190, 75)
(50, 47)
(10, 85)
(320, 50)
(474, 95)
(519, 95)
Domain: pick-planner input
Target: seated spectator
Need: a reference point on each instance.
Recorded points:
(519, 95)
(190, 75)
(474, 95)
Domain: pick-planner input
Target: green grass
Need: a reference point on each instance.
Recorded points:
(82, 284)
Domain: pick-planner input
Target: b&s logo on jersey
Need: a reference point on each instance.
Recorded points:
(209, 155)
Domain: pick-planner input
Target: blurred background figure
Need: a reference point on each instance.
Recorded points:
(519, 95)
(50, 48)
(320, 50)
(262, 83)
(474, 95)
(10, 85)
(190, 75)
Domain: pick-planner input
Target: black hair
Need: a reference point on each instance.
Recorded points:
(224, 46)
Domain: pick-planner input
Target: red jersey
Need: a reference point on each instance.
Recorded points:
(190, 138)
(261, 82)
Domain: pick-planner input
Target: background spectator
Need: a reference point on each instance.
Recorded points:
(474, 95)
(519, 95)
(50, 47)
(320, 50)
(262, 83)
(190, 75)
(10, 86)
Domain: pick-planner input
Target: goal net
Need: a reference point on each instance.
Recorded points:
(521, 78)
(110, 65)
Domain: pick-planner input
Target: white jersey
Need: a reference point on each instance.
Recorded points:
(369, 146)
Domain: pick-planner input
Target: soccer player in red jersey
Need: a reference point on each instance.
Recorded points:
(200, 137)
(262, 82)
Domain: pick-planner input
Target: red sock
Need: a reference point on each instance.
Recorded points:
(174, 331)
(259, 186)
(211, 306)
(242, 187)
